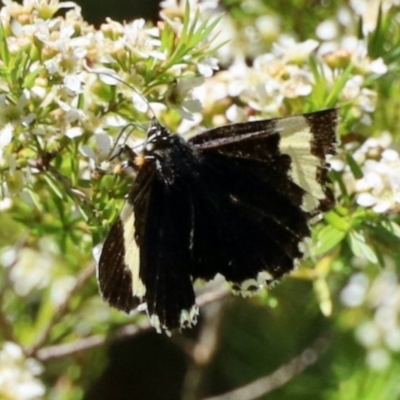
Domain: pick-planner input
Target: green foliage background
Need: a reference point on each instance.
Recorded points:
(301, 339)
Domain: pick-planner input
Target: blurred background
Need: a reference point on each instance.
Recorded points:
(329, 331)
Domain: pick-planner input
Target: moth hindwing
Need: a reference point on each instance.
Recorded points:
(235, 200)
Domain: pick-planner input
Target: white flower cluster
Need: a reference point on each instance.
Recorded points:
(282, 77)
(18, 375)
(30, 269)
(278, 79)
(379, 186)
(68, 94)
(379, 332)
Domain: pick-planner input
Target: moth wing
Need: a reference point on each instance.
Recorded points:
(243, 227)
(307, 139)
(259, 186)
(165, 257)
(119, 264)
(113, 274)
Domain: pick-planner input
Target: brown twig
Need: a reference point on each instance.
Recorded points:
(281, 376)
(66, 349)
(202, 351)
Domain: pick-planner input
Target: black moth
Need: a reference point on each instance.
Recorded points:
(235, 200)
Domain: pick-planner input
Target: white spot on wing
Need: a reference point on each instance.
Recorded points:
(250, 287)
(96, 255)
(296, 139)
(132, 250)
(187, 319)
(155, 322)
(304, 247)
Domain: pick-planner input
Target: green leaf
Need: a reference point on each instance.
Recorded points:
(354, 167)
(337, 221)
(31, 77)
(53, 185)
(4, 51)
(167, 38)
(392, 227)
(328, 238)
(336, 90)
(360, 248)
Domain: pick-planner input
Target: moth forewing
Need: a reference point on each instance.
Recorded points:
(114, 277)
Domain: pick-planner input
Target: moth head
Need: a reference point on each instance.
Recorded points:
(157, 139)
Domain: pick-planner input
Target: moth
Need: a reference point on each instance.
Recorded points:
(235, 200)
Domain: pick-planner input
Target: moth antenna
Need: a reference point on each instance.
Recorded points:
(118, 153)
(113, 75)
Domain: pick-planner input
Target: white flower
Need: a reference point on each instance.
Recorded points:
(268, 26)
(327, 30)
(368, 10)
(6, 134)
(378, 359)
(362, 98)
(360, 59)
(18, 375)
(180, 97)
(61, 288)
(379, 186)
(267, 97)
(74, 132)
(73, 84)
(207, 66)
(101, 152)
(136, 37)
(392, 339)
(30, 269)
(72, 114)
(5, 203)
(378, 67)
(355, 291)
(291, 51)
(299, 83)
(236, 114)
(366, 199)
(139, 102)
(368, 334)
(115, 121)
(177, 5)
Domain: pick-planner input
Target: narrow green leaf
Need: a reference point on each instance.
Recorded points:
(84, 214)
(36, 199)
(4, 52)
(53, 185)
(186, 20)
(354, 167)
(192, 27)
(360, 248)
(392, 227)
(167, 38)
(328, 238)
(30, 78)
(338, 86)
